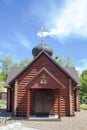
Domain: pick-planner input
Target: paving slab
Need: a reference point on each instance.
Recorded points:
(78, 122)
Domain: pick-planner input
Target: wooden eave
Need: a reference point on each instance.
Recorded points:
(52, 76)
(7, 86)
(51, 60)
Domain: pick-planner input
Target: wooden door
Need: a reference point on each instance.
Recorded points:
(43, 102)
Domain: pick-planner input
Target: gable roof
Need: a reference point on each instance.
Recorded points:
(14, 71)
(21, 70)
(46, 71)
(73, 72)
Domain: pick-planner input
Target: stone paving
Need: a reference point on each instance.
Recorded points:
(16, 126)
(79, 122)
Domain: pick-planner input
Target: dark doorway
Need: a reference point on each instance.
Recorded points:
(43, 102)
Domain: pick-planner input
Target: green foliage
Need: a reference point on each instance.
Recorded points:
(83, 106)
(6, 64)
(64, 63)
(1, 83)
(69, 62)
(24, 62)
(2, 103)
(59, 60)
(4, 75)
(83, 89)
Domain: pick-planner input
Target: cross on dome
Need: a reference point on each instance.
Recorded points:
(42, 46)
(42, 33)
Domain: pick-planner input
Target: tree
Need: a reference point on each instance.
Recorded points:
(64, 63)
(59, 60)
(24, 62)
(7, 63)
(69, 62)
(83, 89)
(1, 83)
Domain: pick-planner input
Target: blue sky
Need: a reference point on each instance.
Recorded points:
(65, 22)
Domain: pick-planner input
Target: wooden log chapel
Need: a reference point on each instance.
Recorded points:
(43, 89)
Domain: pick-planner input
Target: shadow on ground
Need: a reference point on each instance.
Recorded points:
(7, 117)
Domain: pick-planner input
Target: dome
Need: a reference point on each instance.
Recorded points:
(36, 50)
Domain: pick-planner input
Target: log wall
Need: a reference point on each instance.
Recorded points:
(30, 72)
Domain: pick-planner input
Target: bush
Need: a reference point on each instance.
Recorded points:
(2, 103)
(83, 106)
(83, 99)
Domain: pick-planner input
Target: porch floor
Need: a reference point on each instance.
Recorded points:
(43, 117)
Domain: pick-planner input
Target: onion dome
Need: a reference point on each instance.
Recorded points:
(36, 50)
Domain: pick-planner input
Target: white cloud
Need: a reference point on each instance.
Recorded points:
(42, 33)
(82, 65)
(52, 32)
(23, 40)
(71, 20)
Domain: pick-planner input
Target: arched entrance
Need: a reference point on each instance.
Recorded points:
(43, 102)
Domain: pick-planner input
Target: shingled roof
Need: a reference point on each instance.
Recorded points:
(72, 71)
(16, 70)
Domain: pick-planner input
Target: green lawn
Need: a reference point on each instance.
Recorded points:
(83, 106)
(2, 103)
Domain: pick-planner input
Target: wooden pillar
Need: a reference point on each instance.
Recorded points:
(77, 100)
(59, 104)
(70, 97)
(8, 99)
(15, 98)
(28, 104)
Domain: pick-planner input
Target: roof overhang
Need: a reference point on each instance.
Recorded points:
(7, 86)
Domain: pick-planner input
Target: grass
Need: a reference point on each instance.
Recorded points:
(83, 106)
(2, 103)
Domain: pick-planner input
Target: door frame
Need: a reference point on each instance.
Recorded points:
(47, 110)
(28, 91)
